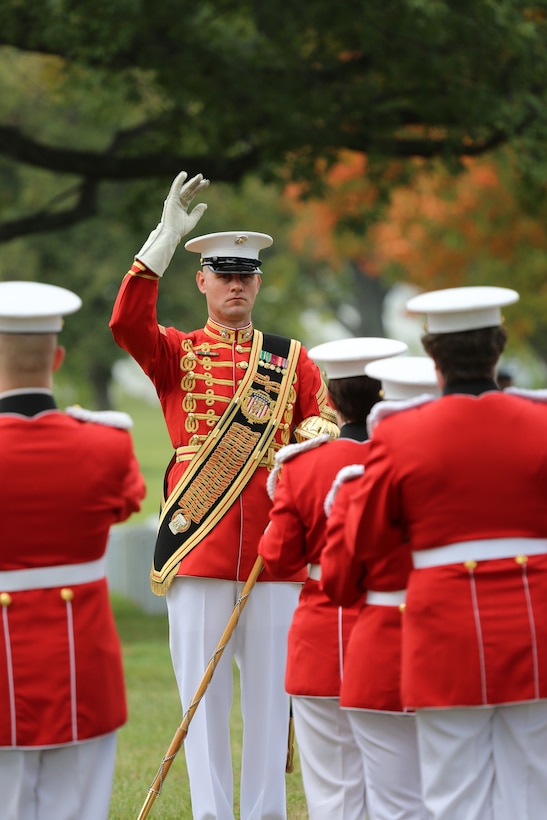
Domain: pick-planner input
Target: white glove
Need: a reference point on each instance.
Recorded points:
(176, 222)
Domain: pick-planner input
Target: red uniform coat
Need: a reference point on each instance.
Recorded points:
(295, 537)
(464, 468)
(196, 375)
(372, 665)
(63, 483)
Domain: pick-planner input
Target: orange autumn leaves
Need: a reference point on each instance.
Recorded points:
(440, 231)
(318, 226)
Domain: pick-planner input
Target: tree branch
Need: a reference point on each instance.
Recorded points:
(44, 220)
(109, 166)
(425, 148)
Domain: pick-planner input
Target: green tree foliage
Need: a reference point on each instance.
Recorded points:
(237, 86)
(104, 101)
(480, 227)
(472, 229)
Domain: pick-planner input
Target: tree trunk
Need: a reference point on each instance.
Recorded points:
(100, 380)
(370, 293)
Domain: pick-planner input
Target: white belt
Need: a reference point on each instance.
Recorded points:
(483, 550)
(63, 575)
(386, 598)
(314, 571)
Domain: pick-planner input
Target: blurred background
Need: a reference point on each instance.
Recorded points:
(387, 148)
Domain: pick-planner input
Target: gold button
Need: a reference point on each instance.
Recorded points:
(239, 348)
(470, 564)
(194, 440)
(190, 374)
(402, 607)
(191, 356)
(67, 594)
(242, 365)
(5, 599)
(521, 559)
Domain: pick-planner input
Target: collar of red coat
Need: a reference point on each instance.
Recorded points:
(27, 403)
(221, 333)
(471, 388)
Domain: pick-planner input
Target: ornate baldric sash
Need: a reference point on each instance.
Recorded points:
(226, 461)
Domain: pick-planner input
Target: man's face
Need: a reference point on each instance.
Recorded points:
(230, 296)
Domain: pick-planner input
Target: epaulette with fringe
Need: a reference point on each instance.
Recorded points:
(383, 409)
(316, 426)
(110, 418)
(347, 473)
(288, 452)
(539, 395)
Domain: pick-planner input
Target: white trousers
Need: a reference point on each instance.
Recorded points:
(71, 782)
(332, 769)
(485, 763)
(389, 748)
(199, 609)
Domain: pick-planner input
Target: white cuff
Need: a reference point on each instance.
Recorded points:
(158, 250)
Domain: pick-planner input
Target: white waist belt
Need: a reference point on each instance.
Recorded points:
(483, 550)
(314, 571)
(63, 575)
(386, 598)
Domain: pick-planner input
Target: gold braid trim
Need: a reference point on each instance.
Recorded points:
(140, 270)
(223, 465)
(231, 454)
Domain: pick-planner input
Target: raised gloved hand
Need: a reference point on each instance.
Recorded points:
(176, 221)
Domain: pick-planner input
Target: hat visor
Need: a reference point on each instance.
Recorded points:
(231, 264)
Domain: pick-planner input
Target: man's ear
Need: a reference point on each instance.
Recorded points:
(58, 358)
(200, 280)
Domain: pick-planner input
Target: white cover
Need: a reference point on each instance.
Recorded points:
(467, 308)
(35, 307)
(346, 358)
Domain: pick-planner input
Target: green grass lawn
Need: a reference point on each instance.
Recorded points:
(154, 715)
(152, 447)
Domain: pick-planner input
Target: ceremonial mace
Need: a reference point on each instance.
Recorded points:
(178, 738)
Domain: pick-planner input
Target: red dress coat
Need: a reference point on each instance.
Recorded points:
(372, 665)
(64, 482)
(295, 537)
(464, 468)
(196, 375)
